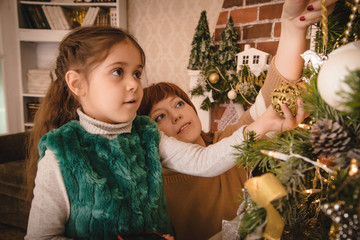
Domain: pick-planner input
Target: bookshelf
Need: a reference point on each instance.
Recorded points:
(38, 43)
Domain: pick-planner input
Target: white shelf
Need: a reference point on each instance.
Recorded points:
(37, 95)
(41, 35)
(38, 47)
(28, 124)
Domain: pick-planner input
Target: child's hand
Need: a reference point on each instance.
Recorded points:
(168, 237)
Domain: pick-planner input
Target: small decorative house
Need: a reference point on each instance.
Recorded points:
(257, 60)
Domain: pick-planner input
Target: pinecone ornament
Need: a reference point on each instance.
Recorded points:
(329, 139)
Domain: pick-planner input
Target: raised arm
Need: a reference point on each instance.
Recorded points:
(296, 17)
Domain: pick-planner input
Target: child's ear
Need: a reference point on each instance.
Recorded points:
(75, 82)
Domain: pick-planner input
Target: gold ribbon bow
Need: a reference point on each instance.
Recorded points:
(263, 190)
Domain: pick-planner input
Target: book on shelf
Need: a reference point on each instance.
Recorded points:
(32, 108)
(113, 17)
(53, 16)
(62, 18)
(56, 17)
(38, 81)
(48, 16)
(87, 17)
(62, 1)
(31, 16)
(103, 18)
(41, 16)
(90, 16)
(28, 21)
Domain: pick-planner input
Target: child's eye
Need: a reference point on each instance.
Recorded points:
(118, 72)
(159, 117)
(137, 74)
(180, 103)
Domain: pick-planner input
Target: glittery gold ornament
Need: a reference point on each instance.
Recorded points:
(214, 77)
(286, 93)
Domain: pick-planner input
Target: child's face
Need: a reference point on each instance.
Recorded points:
(113, 90)
(177, 119)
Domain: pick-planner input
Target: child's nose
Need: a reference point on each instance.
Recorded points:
(132, 84)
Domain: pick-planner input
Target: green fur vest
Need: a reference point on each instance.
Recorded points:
(114, 185)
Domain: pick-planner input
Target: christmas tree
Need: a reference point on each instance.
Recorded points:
(202, 45)
(226, 53)
(311, 175)
(219, 79)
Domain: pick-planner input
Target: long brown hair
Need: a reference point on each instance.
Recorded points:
(162, 90)
(81, 51)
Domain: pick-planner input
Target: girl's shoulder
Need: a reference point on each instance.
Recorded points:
(55, 138)
(73, 125)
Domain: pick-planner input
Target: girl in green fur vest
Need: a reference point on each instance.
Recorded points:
(97, 164)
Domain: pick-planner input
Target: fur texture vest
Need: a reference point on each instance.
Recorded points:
(114, 185)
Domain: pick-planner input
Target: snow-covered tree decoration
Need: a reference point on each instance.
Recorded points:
(226, 53)
(202, 45)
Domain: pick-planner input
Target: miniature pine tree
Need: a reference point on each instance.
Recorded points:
(226, 53)
(202, 45)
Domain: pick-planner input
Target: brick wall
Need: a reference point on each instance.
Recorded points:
(257, 23)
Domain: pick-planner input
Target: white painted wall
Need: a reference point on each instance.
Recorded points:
(10, 65)
(165, 30)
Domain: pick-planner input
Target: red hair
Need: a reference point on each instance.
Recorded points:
(162, 90)
(158, 92)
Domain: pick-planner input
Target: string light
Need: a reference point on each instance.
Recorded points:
(311, 191)
(286, 157)
(304, 126)
(277, 155)
(347, 32)
(319, 162)
(353, 167)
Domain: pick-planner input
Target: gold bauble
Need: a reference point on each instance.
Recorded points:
(214, 77)
(286, 93)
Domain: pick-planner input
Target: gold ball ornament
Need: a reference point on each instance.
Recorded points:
(286, 93)
(232, 94)
(214, 78)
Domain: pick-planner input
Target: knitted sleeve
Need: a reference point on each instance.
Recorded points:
(50, 207)
(193, 159)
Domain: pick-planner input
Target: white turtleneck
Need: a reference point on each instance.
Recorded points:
(50, 208)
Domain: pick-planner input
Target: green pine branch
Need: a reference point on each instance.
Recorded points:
(337, 24)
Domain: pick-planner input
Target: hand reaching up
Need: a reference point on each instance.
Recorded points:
(271, 121)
